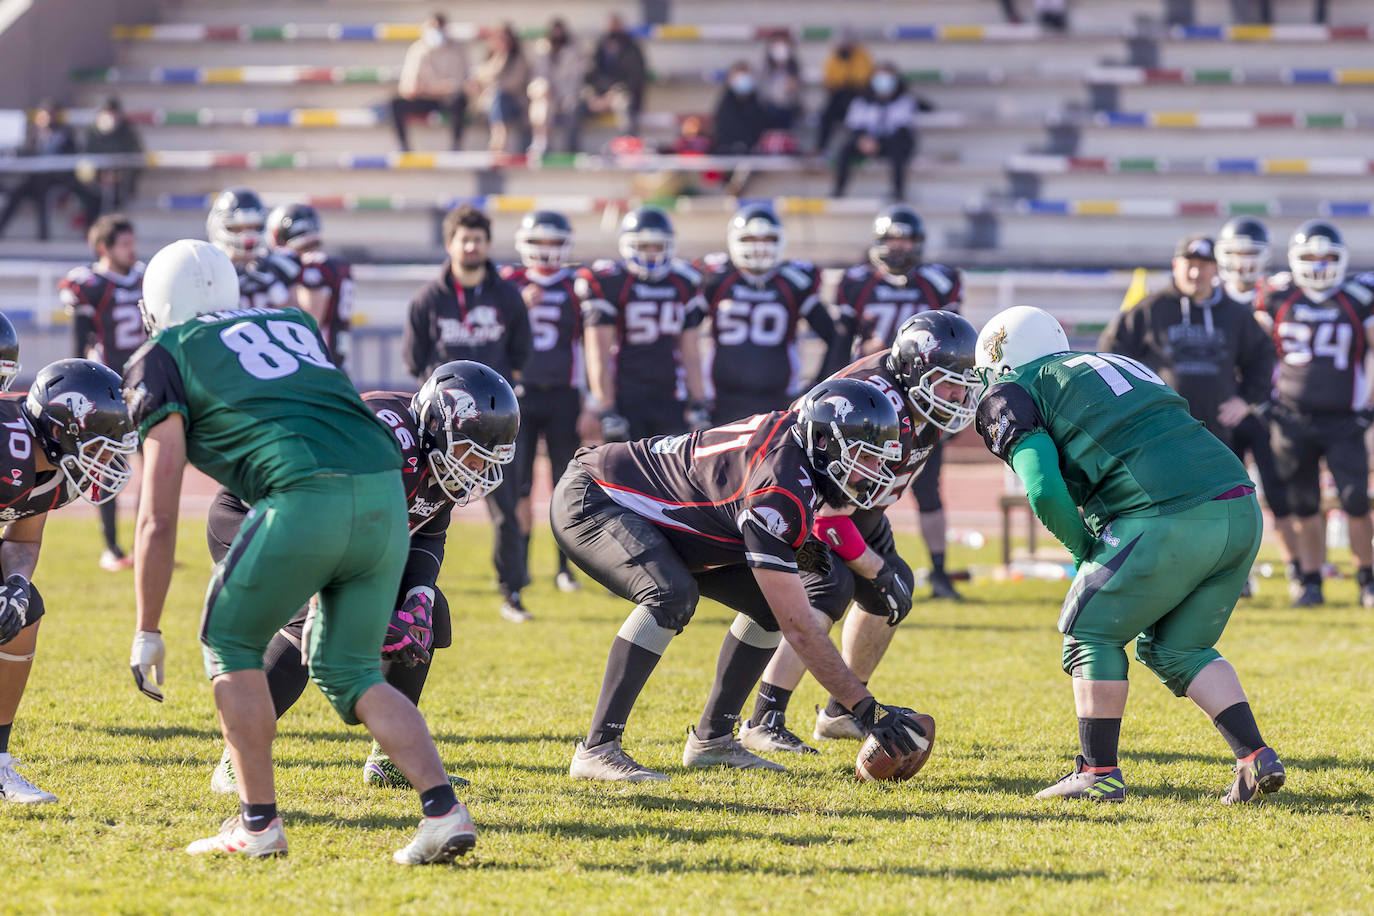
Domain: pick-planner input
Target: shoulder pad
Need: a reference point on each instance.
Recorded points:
(716, 260)
(80, 275)
(285, 264)
(605, 266)
(801, 275)
(1281, 280)
(1365, 279)
(943, 278)
(857, 272)
(686, 271)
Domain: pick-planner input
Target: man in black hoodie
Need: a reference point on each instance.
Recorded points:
(469, 312)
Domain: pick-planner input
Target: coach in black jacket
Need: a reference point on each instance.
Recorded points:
(469, 312)
(1207, 347)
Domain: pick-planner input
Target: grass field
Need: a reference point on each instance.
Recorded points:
(507, 702)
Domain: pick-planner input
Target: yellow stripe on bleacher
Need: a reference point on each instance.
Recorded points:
(962, 33)
(505, 203)
(1175, 119)
(222, 75)
(131, 32)
(1252, 33)
(1097, 208)
(1286, 166)
(1355, 76)
(678, 32)
(804, 205)
(315, 117)
(414, 160)
(398, 32)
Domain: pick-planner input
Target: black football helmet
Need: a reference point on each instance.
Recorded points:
(294, 226)
(235, 223)
(1242, 250)
(9, 353)
(1317, 255)
(938, 349)
(897, 222)
(647, 226)
(754, 238)
(468, 417)
(544, 239)
(850, 432)
(82, 424)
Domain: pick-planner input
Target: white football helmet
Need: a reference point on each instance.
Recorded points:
(1016, 336)
(1317, 256)
(187, 278)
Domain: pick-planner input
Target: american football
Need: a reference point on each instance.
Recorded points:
(876, 765)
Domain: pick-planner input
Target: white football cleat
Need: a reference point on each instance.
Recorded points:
(235, 839)
(222, 781)
(15, 788)
(843, 727)
(608, 762)
(440, 839)
(725, 751)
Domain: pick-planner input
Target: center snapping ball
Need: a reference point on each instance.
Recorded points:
(875, 764)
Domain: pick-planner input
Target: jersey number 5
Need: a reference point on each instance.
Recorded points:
(1105, 365)
(259, 353)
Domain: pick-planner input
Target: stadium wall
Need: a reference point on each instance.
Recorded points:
(41, 40)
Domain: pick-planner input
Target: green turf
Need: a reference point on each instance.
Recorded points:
(507, 703)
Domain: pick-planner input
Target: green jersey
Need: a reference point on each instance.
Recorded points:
(265, 407)
(1127, 444)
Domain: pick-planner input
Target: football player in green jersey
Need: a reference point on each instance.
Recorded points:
(250, 397)
(1169, 528)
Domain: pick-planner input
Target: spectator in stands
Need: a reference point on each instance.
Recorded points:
(112, 132)
(1053, 14)
(881, 122)
(501, 84)
(780, 85)
(49, 135)
(432, 80)
(558, 71)
(739, 113)
(615, 82)
(1263, 11)
(847, 71)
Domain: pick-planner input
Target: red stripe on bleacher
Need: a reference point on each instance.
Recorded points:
(1275, 119)
(1087, 164)
(221, 33)
(1158, 75)
(1198, 208)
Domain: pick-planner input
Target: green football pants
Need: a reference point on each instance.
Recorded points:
(1169, 582)
(343, 537)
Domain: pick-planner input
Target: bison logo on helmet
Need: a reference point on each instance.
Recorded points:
(77, 403)
(461, 405)
(993, 346)
(843, 407)
(925, 342)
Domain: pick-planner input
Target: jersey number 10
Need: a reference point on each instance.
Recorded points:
(1105, 365)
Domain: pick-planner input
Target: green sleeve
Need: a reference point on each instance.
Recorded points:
(1036, 461)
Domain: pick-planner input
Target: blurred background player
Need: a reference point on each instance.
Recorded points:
(1322, 323)
(873, 300)
(324, 289)
(550, 395)
(1161, 557)
(753, 300)
(69, 437)
(9, 353)
(642, 356)
(237, 226)
(107, 326)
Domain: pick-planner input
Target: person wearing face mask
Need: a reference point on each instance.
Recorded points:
(780, 83)
(881, 122)
(553, 92)
(739, 115)
(113, 133)
(847, 72)
(432, 80)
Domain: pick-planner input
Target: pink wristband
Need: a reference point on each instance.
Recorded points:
(839, 533)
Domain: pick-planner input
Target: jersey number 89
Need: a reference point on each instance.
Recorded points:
(260, 355)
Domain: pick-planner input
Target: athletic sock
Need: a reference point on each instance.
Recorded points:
(1098, 739)
(438, 801)
(410, 681)
(627, 670)
(1294, 571)
(257, 817)
(107, 528)
(286, 673)
(738, 669)
(937, 561)
(771, 698)
(5, 738)
(1312, 578)
(835, 708)
(1237, 725)
(1364, 575)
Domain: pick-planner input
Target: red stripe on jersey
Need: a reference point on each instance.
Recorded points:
(793, 306)
(1280, 314)
(1356, 358)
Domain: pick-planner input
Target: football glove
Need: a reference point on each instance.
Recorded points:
(147, 660)
(698, 415)
(14, 607)
(614, 427)
(410, 634)
(813, 556)
(895, 727)
(1364, 418)
(895, 593)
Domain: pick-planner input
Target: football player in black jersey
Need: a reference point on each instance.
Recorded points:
(929, 378)
(69, 436)
(643, 354)
(1322, 322)
(724, 513)
(456, 435)
(873, 300)
(107, 326)
(324, 288)
(753, 300)
(237, 225)
(9, 353)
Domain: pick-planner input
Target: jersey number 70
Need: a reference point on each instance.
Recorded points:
(1105, 365)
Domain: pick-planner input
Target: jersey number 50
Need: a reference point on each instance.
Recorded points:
(260, 355)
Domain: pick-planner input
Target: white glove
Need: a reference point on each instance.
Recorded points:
(147, 659)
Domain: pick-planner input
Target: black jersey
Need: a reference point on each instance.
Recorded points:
(1320, 343)
(334, 275)
(648, 316)
(754, 323)
(739, 494)
(555, 325)
(429, 506)
(266, 282)
(25, 490)
(105, 313)
(874, 304)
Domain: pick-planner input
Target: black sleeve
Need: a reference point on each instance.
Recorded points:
(1005, 414)
(83, 334)
(820, 321)
(426, 555)
(1255, 359)
(153, 388)
(417, 346)
(520, 341)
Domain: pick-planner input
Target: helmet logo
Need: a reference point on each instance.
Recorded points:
(993, 345)
(843, 407)
(463, 406)
(925, 342)
(77, 403)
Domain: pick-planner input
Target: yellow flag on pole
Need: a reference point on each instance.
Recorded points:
(1138, 289)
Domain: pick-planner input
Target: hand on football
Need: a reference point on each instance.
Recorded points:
(895, 727)
(410, 634)
(147, 660)
(896, 594)
(14, 607)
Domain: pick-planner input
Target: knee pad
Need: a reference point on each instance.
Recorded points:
(749, 632)
(1176, 668)
(1304, 501)
(673, 604)
(830, 594)
(643, 629)
(1354, 499)
(1094, 661)
(443, 624)
(36, 608)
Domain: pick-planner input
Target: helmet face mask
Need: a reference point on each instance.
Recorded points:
(647, 243)
(930, 397)
(466, 471)
(933, 356)
(754, 240)
(236, 224)
(1317, 256)
(544, 240)
(295, 226)
(899, 238)
(849, 431)
(100, 467)
(469, 418)
(82, 424)
(1241, 262)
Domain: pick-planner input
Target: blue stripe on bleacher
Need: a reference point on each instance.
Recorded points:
(369, 162)
(1238, 166)
(356, 32)
(1350, 208)
(1126, 118)
(1314, 76)
(186, 202)
(280, 118)
(914, 33)
(1060, 207)
(1201, 32)
(180, 74)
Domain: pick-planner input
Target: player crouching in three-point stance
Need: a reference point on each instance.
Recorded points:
(1172, 526)
(724, 513)
(71, 436)
(250, 397)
